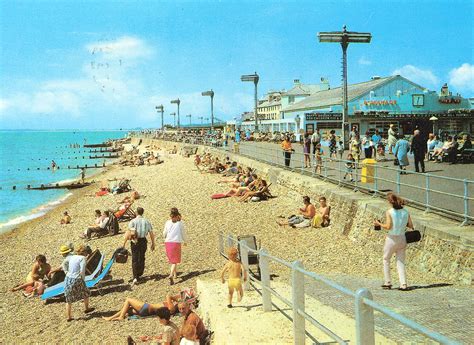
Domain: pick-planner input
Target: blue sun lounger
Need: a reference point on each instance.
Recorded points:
(58, 289)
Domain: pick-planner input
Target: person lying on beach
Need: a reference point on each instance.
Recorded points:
(235, 269)
(130, 198)
(66, 219)
(34, 279)
(307, 212)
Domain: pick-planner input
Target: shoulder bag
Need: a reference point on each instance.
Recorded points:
(413, 236)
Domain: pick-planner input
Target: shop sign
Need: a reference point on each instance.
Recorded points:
(323, 116)
(449, 100)
(380, 102)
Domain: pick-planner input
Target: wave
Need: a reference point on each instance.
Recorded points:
(36, 213)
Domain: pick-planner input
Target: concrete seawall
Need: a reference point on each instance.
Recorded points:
(445, 250)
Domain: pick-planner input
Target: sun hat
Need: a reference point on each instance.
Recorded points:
(64, 249)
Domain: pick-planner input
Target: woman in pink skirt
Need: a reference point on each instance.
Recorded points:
(174, 236)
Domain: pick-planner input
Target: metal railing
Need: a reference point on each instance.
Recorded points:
(364, 305)
(432, 193)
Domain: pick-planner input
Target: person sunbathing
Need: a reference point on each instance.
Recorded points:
(324, 210)
(39, 271)
(304, 219)
(252, 186)
(262, 187)
(66, 219)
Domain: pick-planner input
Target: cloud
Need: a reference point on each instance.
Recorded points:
(364, 61)
(423, 77)
(462, 77)
(125, 47)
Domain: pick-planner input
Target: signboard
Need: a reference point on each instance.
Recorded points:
(412, 116)
(323, 116)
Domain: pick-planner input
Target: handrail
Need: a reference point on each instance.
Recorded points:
(364, 305)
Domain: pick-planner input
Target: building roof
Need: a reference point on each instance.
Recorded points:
(334, 96)
(302, 90)
(267, 103)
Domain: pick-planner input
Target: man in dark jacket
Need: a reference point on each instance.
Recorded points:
(418, 148)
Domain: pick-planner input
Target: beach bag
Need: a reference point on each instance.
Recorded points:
(317, 221)
(121, 255)
(413, 236)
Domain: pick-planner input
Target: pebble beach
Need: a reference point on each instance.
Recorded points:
(176, 183)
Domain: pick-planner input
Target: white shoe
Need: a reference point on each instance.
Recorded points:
(134, 282)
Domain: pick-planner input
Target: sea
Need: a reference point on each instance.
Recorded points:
(26, 158)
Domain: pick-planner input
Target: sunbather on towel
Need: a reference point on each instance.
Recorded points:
(34, 280)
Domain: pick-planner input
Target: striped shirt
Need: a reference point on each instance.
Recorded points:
(141, 226)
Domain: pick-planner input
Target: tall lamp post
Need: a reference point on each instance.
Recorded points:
(174, 119)
(344, 37)
(178, 102)
(159, 108)
(211, 94)
(201, 118)
(189, 115)
(254, 78)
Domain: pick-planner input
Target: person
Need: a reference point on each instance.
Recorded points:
(418, 148)
(83, 174)
(318, 164)
(189, 336)
(315, 140)
(304, 220)
(236, 270)
(332, 144)
(350, 166)
(74, 285)
(307, 151)
(397, 219)
(324, 211)
(467, 144)
(170, 334)
(287, 150)
(376, 139)
(430, 144)
(139, 228)
(34, 280)
(367, 145)
(100, 224)
(53, 165)
(402, 147)
(355, 147)
(453, 150)
(354, 133)
(237, 141)
(175, 236)
(340, 149)
(191, 318)
(392, 138)
(66, 219)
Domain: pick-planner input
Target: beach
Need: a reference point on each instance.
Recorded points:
(176, 183)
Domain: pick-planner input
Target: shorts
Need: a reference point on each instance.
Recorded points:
(144, 310)
(234, 283)
(292, 220)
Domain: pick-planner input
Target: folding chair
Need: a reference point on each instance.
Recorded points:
(251, 242)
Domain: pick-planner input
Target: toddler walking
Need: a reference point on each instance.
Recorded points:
(235, 269)
(350, 165)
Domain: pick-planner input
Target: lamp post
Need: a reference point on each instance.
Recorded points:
(344, 37)
(178, 102)
(434, 119)
(159, 108)
(189, 115)
(254, 78)
(211, 94)
(201, 118)
(174, 119)
(207, 119)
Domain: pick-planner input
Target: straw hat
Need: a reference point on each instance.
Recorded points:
(64, 249)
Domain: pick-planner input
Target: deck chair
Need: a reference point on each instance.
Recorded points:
(124, 186)
(264, 193)
(58, 289)
(94, 262)
(126, 215)
(251, 242)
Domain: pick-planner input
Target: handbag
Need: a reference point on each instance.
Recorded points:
(413, 236)
(121, 255)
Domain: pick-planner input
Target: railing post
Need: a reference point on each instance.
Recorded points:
(339, 163)
(230, 241)
(376, 185)
(297, 284)
(398, 180)
(221, 243)
(244, 258)
(364, 316)
(356, 177)
(466, 203)
(265, 279)
(427, 193)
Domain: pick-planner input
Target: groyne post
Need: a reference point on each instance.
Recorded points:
(297, 284)
(364, 315)
(265, 279)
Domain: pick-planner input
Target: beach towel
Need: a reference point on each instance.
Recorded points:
(173, 252)
(317, 221)
(101, 193)
(219, 196)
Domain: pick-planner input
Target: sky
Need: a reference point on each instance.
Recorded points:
(107, 64)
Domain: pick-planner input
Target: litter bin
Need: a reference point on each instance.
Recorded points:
(368, 167)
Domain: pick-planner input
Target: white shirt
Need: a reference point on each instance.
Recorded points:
(399, 221)
(185, 341)
(74, 266)
(174, 232)
(104, 222)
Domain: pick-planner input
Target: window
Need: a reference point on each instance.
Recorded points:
(291, 99)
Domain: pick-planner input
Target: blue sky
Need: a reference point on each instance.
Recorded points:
(90, 64)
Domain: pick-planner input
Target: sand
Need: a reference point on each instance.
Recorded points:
(176, 183)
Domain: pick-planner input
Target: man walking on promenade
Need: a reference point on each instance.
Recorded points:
(316, 140)
(418, 148)
(140, 228)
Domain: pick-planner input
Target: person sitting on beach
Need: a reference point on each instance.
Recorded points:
(174, 150)
(240, 190)
(304, 219)
(324, 211)
(34, 280)
(191, 318)
(235, 269)
(232, 170)
(100, 224)
(189, 336)
(197, 161)
(66, 219)
(260, 189)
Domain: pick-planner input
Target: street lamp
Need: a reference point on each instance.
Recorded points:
(174, 119)
(344, 37)
(189, 115)
(178, 102)
(207, 119)
(159, 108)
(211, 94)
(201, 118)
(254, 78)
(434, 119)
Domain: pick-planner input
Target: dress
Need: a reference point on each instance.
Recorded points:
(332, 144)
(307, 146)
(174, 234)
(392, 139)
(401, 151)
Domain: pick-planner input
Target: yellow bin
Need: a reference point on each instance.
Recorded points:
(368, 167)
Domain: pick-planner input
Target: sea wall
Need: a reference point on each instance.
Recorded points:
(445, 250)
